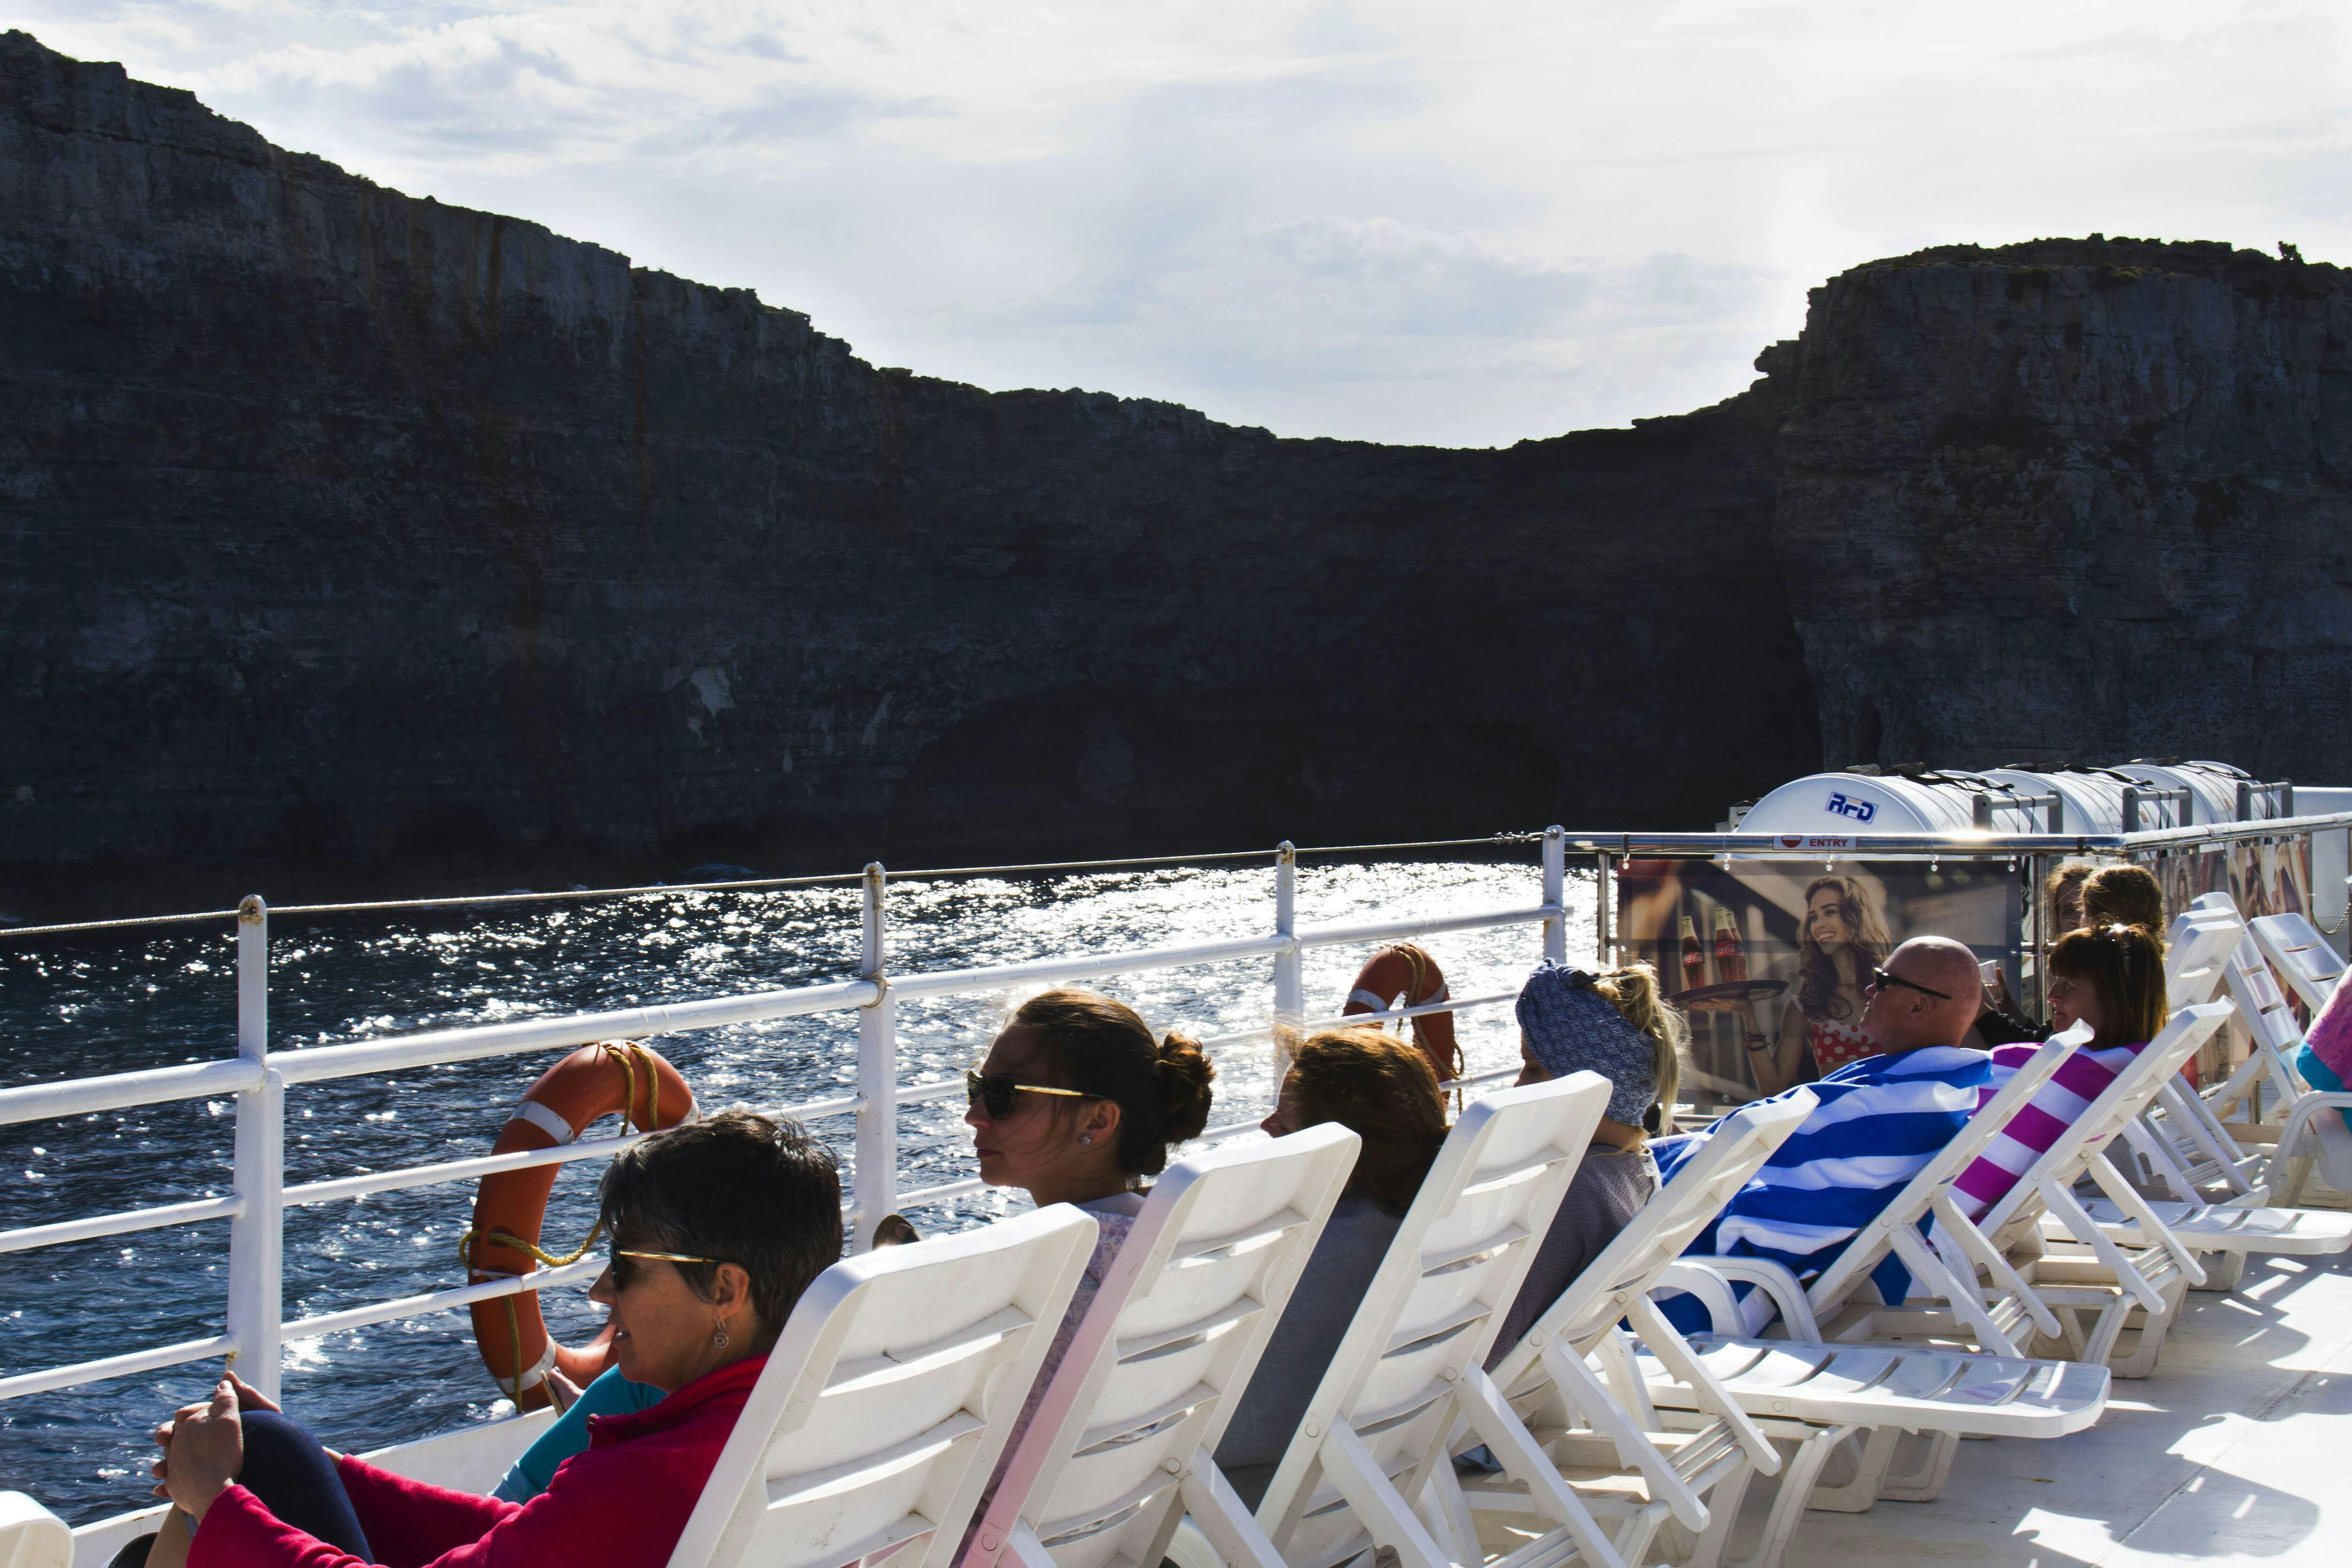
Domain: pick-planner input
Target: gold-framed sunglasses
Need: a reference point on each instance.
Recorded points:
(993, 1092)
(664, 1257)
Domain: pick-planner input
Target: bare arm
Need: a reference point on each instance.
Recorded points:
(1776, 1069)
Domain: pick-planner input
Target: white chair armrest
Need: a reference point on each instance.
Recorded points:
(1776, 1292)
(2298, 1122)
(1712, 1290)
(1774, 1283)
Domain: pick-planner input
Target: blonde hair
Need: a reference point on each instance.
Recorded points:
(1633, 992)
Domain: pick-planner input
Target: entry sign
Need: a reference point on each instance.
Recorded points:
(1815, 841)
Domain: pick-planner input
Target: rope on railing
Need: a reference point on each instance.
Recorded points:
(758, 884)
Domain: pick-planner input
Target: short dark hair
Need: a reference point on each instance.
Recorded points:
(741, 1187)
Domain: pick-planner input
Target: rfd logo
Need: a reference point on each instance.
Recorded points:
(1860, 810)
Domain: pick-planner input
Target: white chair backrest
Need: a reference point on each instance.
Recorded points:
(887, 1399)
(2299, 953)
(1431, 1311)
(2202, 941)
(31, 1536)
(1871, 1245)
(1736, 1150)
(2126, 1096)
(1152, 1376)
(2262, 1005)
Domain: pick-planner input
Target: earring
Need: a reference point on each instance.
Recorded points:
(1087, 1139)
(718, 1338)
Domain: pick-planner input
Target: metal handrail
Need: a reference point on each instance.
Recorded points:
(258, 1077)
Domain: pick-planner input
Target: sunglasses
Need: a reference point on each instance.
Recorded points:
(993, 1092)
(623, 1271)
(1880, 980)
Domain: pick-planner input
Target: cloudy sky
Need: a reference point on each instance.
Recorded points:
(1461, 223)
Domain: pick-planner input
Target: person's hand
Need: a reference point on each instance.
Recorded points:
(204, 1450)
(562, 1390)
(250, 1398)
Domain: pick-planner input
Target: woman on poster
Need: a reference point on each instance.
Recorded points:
(1844, 940)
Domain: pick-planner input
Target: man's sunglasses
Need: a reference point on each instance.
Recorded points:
(993, 1092)
(1880, 980)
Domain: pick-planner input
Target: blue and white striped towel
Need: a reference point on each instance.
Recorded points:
(1879, 1122)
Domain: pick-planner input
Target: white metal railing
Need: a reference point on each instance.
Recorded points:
(256, 1328)
(257, 1077)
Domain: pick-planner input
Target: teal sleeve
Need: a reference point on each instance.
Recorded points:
(2321, 1076)
(610, 1395)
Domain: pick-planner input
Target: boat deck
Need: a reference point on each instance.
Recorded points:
(2239, 1449)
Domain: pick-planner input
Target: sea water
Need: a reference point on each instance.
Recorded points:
(117, 1001)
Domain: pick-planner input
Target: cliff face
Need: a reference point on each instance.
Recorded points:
(2075, 500)
(342, 530)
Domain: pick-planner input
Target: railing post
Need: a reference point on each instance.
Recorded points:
(2245, 801)
(1290, 982)
(256, 1239)
(875, 1186)
(1600, 955)
(2131, 809)
(1555, 893)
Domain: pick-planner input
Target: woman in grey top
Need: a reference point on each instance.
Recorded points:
(1617, 1026)
(1382, 1087)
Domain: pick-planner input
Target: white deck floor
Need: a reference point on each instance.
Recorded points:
(2238, 1450)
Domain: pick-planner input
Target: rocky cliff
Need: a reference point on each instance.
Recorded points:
(346, 536)
(2075, 499)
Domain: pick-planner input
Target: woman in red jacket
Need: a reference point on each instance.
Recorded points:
(717, 1227)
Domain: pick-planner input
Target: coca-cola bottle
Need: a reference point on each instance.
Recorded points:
(1730, 956)
(1694, 957)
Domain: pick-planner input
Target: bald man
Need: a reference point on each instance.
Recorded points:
(1926, 995)
(1879, 1122)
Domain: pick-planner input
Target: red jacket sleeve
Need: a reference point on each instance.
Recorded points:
(409, 1523)
(240, 1533)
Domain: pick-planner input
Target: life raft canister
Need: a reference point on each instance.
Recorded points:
(593, 1081)
(1404, 971)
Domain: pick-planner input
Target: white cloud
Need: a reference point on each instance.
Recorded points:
(1462, 225)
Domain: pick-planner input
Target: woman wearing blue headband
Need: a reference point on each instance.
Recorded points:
(1617, 1026)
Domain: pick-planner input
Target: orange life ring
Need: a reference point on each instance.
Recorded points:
(1405, 971)
(593, 1081)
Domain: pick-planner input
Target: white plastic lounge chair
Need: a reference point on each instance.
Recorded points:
(1938, 1269)
(1407, 1373)
(2310, 1139)
(2182, 1146)
(887, 1399)
(2070, 1262)
(1584, 1418)
(1892, 1389)
(2276, 1037)
(1120, 1446)
(31, 1536)
(1821, 1395)
(2301, 955)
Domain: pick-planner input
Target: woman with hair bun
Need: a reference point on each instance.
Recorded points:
(1077, 1103)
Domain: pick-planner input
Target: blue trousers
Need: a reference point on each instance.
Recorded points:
(291, 1474)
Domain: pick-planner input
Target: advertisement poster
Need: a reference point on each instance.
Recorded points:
(1769, 958)
(2264, 878)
